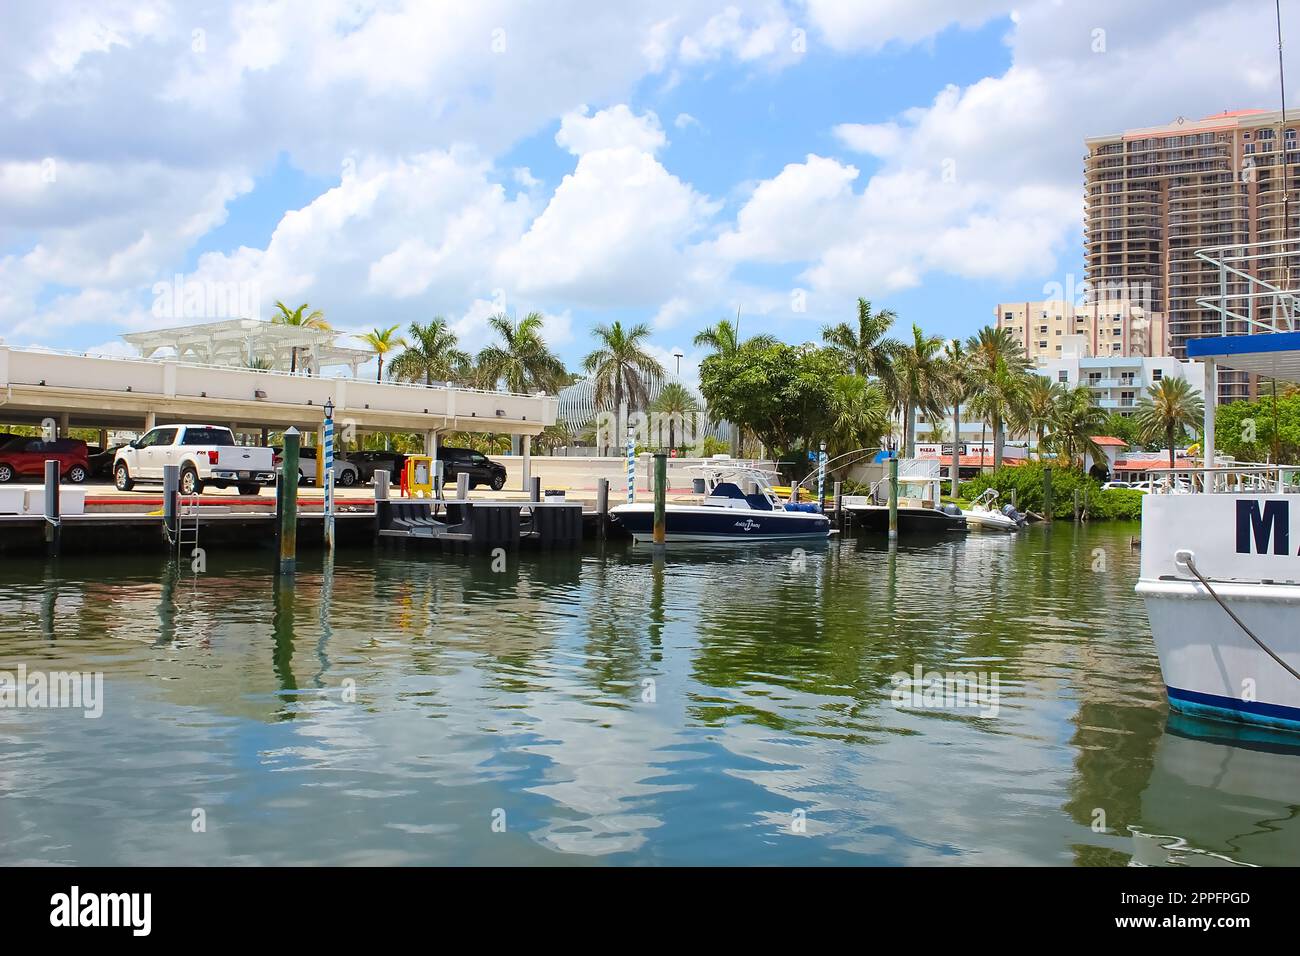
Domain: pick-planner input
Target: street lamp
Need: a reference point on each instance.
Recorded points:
(329, 408)
(677, 354)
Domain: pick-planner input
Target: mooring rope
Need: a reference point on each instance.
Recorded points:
(1185, 557)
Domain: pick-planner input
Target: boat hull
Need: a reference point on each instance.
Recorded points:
(1211, 668)
(990, 521)
(721, 524)
(910, 520)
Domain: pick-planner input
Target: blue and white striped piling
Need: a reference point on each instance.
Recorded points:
(631, 467)
(821, 476)
(328, 438)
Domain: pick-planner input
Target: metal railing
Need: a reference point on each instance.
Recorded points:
(1225, 479)
(1245, 297)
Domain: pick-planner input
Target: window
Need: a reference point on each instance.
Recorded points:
(1058, 332)
(1042, 329)
(1063, 376)
(1042, 344)
(210, 436)
(1157, 374)
(159, 436)
(1007, 316)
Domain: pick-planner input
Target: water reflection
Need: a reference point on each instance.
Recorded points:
(619, 706)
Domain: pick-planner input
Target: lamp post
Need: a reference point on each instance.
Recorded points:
(329, 475)
(677, 354)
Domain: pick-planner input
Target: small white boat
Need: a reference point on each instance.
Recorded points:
(983, 515)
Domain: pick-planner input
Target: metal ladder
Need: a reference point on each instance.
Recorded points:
(187, 525)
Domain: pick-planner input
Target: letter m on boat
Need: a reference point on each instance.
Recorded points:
(1260, 527)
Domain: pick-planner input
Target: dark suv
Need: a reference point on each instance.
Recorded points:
(481, 469)
(368, 462)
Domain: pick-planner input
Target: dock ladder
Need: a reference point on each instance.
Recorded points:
(187, 525)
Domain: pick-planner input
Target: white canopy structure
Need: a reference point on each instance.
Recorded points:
(250, 343)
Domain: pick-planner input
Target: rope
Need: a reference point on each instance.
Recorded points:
(1187, 559)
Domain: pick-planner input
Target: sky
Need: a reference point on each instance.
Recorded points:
(668, 162)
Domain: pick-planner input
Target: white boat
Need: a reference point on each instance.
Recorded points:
(739, 505)
(983, 515)
(1220, 564)
(920, 504)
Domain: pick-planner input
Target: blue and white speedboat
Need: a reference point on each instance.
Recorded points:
(727, 512)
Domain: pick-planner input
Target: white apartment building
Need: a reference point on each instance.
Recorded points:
(1118, 381)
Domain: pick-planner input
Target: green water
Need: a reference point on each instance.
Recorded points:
(721, 706)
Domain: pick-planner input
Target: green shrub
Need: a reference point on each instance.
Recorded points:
(1027, 482)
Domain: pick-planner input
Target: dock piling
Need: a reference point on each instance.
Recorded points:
(1076, 505)
(893, 499)
(171, 502)
(288, 499)
(1047, 494)
(462, 486)
(535, 488)
(602, 505)
(837, 497)
(53, 526)
(661, 497)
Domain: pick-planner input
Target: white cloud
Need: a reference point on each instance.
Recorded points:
(608, 129)
(877, 139)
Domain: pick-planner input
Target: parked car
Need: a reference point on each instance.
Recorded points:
(346, 473)
(368, 462)
(481, 469)
(1116, 484)
(206, 454)
(101, 462)
(27, 456)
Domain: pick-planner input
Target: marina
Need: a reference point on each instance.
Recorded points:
(619, 708)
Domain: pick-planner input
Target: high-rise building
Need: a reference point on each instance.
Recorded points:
(1155, 196)
(1106, 327)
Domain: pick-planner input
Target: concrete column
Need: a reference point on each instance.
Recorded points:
(431, 443)
(527, 442)
(65, 422)
(150, 420)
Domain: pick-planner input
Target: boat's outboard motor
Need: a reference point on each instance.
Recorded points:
(1010, 511)
(951, 509)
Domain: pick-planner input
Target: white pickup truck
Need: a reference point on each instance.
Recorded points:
(206, 454)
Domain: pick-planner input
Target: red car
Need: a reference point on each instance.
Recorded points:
(27, 456)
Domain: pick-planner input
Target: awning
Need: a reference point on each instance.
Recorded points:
(1270, 354)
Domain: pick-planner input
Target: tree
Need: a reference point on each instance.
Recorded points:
(381, 342)
(998, 369)
(1245, 430)
(958, 387)
(918, 382)
(866, 348)
(723, 338)
(432, 354)
(299, 318)
(1169, 408)
(621, 367)
(1072, 423)
(859, 415)
(1040, 400)
(521, 360)
(675, 401)
(781, 393)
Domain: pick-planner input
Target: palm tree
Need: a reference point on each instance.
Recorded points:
(958, 387)
(1040, 401)
(621, 367)
(1167, 410)
(866, 348)
(918, 382)
(676, 401)
(521, 360)
(723, 339)
(859, 414)
(1072, 423)
(430, 355)
(998, 368)
(998, 398)
(381, 342)
(300, 318)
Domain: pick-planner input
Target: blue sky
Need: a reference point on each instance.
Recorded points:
(390, 161)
